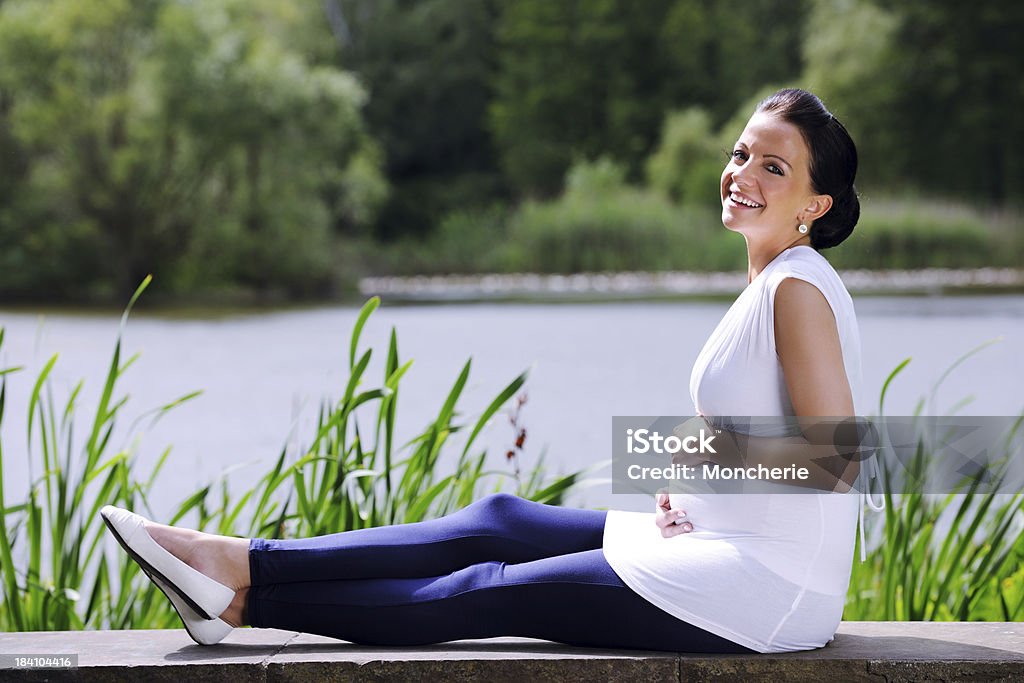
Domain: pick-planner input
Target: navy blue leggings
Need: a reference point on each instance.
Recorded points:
(503, 566)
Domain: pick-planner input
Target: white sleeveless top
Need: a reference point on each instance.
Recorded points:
(767, 571)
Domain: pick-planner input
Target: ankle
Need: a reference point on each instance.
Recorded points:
(237, 612)
(223, 559)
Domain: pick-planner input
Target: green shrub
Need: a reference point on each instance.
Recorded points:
(687, 166)
(594, 179)
(601, 224)
(623, 230)
(467, 241)
(920, 234)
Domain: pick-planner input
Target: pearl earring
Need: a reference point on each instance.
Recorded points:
(802, 229)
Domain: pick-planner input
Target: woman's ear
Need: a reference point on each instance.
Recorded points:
(817, 207)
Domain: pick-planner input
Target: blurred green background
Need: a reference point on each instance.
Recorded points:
(257, 149)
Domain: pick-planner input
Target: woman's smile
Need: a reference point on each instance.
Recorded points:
(739, 200)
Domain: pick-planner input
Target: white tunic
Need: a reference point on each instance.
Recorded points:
(767, 571)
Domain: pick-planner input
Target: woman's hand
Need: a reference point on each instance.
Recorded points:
(666, 517)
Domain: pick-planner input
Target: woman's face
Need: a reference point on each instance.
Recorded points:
(766, 186)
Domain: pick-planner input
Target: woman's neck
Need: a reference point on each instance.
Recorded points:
(762, 252)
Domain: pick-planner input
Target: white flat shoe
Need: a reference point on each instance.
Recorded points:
(203, 631)
(208, 598)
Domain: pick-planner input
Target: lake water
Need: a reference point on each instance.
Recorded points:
(261, 372)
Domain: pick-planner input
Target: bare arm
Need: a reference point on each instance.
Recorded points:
(807, 343)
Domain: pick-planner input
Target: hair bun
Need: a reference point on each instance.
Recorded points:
(837, 224)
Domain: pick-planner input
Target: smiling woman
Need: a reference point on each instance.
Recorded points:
(768, 571)
(739, 574)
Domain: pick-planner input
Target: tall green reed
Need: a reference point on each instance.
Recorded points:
(352, 474)
(952, 557)
(55, 572)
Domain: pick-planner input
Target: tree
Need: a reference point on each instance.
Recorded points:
(687, 165)
(580, 78)
(962, 77)
(428, 66)
(931, 91)
(196, 142)
(576, 79)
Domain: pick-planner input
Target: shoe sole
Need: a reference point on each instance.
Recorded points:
(148, 569)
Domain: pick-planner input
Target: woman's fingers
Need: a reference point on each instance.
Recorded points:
(669, 520)
(676, 529)
(666, 517)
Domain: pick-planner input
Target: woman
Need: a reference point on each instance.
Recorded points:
(711, 574)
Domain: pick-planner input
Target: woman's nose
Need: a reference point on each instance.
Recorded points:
(740, 175)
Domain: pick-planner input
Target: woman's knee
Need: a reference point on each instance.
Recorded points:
(495, 511)
(501, 505)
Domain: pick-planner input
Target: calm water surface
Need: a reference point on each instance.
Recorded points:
(263, 373)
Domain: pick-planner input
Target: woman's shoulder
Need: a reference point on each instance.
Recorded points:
(805, 263)
(804, 258)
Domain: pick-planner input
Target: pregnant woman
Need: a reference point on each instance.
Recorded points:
(710, 574)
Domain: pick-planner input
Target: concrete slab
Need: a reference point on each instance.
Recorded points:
(317, 658)
(887, 651)
(155, 655)
(861, 651)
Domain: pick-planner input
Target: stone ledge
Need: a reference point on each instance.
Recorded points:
(861, 651)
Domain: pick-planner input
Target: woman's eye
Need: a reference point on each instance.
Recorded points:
(772, 168)
(739, 154)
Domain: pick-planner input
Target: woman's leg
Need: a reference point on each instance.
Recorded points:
(498, 527)
(575, 598)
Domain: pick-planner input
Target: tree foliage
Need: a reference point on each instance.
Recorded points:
(193, 141)
(931, 90)
(962, 73)
(253, 144)
(687, 165)
(428, 66)
(590, 77)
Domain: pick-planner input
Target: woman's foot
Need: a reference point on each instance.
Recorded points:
(209, 574)
(224, 559)
(206, 596)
